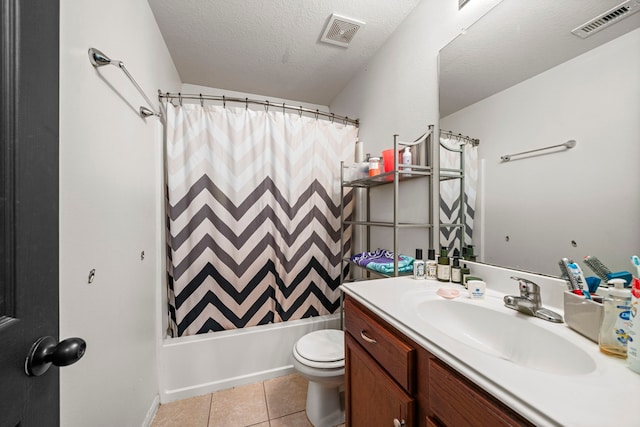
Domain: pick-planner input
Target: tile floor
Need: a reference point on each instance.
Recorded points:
(278, 402)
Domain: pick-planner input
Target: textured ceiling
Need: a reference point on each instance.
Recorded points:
(271, 47)
(517, 40)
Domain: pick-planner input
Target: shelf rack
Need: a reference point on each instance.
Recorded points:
(394, 177)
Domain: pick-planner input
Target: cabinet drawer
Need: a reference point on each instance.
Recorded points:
(455, 402)
(392, 353)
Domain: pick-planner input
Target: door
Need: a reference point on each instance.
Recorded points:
(28, 207)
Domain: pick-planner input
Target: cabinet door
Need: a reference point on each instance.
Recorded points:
(373, 398)
(454, 402)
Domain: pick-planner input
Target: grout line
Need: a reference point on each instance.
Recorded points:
(264, 393)
(210, 408)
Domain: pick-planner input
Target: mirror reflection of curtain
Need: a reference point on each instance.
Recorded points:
(253, 216)
(450, 202)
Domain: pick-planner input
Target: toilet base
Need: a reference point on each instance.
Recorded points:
(325, 405)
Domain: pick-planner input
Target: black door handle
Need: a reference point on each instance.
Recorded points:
(45, 352)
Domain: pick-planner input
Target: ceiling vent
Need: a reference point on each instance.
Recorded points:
(608, 18)
(340, 30)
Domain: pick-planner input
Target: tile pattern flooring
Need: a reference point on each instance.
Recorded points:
(278, 402)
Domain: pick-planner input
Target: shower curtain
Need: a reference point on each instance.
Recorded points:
(450, 203)
(253, 216)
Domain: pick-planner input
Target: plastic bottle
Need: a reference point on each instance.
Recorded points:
(406, 160)
(456, 271)
(432, 265)
(465, 271)
(444, 267)
(633, 345)
(374, 166)
(418, 266)
(614, 331)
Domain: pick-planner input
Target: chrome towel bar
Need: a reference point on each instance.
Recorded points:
(98, 59)
(569, 144)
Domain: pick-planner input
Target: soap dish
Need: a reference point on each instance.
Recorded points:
(583, 315)
(448, 293)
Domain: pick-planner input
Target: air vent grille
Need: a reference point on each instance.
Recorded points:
(608, 18)
(340, 30)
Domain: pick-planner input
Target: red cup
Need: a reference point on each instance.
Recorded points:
(387, 157)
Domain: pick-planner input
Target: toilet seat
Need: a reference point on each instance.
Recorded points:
(322, 349)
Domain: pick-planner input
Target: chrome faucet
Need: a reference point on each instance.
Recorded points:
(529, 301)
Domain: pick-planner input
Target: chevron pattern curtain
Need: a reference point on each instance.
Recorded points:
(253, 216)
(450, 203)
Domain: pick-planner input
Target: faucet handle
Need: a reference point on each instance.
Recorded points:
(527, 287)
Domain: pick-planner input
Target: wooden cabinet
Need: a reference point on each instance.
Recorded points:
(390, 380)
(373, 398)
(379, 368)
(454, 401)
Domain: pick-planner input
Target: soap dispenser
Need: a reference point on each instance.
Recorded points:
(614, 330)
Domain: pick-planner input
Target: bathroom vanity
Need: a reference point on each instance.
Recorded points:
(413, 358)
(390, 377)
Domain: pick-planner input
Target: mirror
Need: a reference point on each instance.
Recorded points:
(519, 80)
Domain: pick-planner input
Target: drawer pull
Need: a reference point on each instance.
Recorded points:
(364, 336)
(398, 423)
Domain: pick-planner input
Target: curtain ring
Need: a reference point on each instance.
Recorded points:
(317, 113)
(300, 112)
(201, 101)
(246, 103)
(266, 107)
(180, 98)
(333, 116)
(346, 119)
(283, 108)
(224, 102)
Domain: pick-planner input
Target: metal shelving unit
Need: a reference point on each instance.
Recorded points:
(394, 178)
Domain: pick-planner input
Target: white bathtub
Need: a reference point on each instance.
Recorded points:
(201, 364)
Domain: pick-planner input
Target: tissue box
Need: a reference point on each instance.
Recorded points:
(583, 315)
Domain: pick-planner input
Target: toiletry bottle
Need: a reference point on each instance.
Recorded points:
(614, 331)
(406, 160)
(418, 266)
(465, 272)
(374, 166)
(469, 256)
(456, 271)
(432, 265)
(633, 345)
(444, 267)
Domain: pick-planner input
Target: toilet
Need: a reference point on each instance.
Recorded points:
(319, 357)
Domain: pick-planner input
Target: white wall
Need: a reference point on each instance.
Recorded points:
(589, 193)
(396, 92)
(110, 193)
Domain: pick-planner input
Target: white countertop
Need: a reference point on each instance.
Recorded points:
(605, 396)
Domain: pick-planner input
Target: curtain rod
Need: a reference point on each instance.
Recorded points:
(300, 109)
(460, 137)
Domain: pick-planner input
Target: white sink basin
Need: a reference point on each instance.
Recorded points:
(507, 336)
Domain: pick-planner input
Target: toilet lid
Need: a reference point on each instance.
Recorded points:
(326, 345)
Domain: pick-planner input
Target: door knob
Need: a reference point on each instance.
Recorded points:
(45, 352)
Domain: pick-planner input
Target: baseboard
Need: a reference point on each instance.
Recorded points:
(151, 413)
(201, 389)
